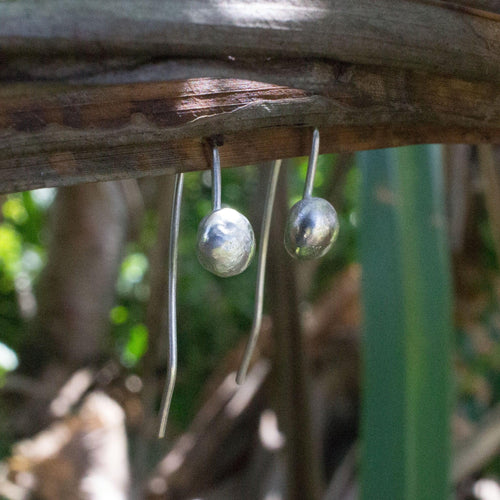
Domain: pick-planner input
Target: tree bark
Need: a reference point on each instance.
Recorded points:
(303, 471)
(76, 290)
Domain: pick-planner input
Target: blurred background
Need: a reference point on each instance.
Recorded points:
(83, 347)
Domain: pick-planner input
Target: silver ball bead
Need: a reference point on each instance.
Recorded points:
(226, 242)
(311, 228)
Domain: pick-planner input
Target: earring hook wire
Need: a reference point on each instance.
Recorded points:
(261, 272)
(172, 304)
(216, 178)
(311, 167)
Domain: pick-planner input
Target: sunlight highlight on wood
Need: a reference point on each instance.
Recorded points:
(56, 135)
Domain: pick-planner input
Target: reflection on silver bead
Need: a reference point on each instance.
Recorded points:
(312, 225)
(311, 228)
(226, 242)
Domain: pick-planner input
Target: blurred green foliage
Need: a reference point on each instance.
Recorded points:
(407, 348)
(22, 256)
(213, 313)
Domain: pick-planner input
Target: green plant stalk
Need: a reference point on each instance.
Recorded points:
(407, 384)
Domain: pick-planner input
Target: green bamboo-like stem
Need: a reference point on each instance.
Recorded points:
(407, 340)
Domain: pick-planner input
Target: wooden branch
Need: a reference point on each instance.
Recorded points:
(57, 135)
(220, 435)
(292, 382)
(421, 35)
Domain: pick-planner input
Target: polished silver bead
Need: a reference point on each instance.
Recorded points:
(311, 228)
(226, 242)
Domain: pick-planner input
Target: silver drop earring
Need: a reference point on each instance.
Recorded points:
(261, 272)
(225, 242)
(172, 304)
(312, 225)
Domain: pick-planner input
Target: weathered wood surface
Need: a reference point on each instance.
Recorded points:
(58, 135)
(437, 36)
(87, 91)
(101, 133)
(486, 8)
(481, 7)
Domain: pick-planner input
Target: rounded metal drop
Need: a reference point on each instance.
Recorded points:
(311, 228)
(226, 242)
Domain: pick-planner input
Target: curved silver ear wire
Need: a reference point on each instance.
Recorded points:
(225, 241)
(172, 306)
(261, 272)
(312, 225)
(311, 166)
(216, 179)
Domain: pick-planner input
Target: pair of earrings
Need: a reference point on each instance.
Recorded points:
(226, 241)
(226, 245)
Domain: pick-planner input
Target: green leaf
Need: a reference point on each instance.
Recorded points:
(407, 339)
